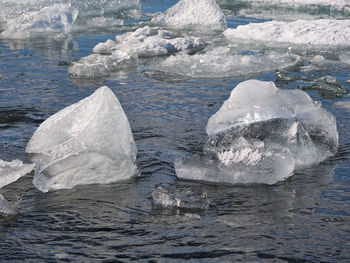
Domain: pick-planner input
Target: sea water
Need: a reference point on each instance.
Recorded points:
(305, 218)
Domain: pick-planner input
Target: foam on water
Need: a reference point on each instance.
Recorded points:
(205, 14)
(261, 135)
(223, 62)
(87, 142)
(323, 32)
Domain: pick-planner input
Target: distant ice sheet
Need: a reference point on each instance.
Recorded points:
(222, 62)
(85, 143)
(262, 134)
(323, 32)
(203, 15)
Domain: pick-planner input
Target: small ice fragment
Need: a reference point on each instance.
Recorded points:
(6, 208)
(87, 142)
(12, 171)
(179, 199)
(203, 15)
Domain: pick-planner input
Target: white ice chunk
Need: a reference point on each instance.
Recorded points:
(12, 171)
(6, 208)
(323, 32)
(85, 143)
(261, 134)
(145, 42)
(56, 19)
(345, 57)
(222, 62)
(203, 15)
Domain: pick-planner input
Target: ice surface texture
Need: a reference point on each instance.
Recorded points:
(262, 134)
(12, 171)
(56, 19)
(87, 142)
(222, 62)
(204, 14)
(124, 52)
(317, 32)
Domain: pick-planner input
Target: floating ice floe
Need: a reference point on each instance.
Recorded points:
(345, 57)
(323, 32)
(203, 15)
(167, 198)
(32, 17)
(262, 134)
(327, 86)
(87, 142)
(56, 19)
(144, 42)
(9, 173)
(12, 171)
(222, 62)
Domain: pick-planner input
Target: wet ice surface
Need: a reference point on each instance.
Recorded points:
(304, 218)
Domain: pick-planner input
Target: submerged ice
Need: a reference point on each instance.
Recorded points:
(262, 134)
(323, 32)
(85, 143)
(223, 62)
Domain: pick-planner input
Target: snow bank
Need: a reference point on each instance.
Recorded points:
(261, 135)
(204, 15)
(222, 62)
(301, 32)
(85, 143)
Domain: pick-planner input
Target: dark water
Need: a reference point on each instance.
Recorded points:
(303, 219)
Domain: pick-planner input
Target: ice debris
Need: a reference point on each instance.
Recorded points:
(193, 14)
(345, 57)
(327, 86)
(323, 32)
(12, 171)
(6, 208)
(174, 198)
(56, 19)
(127, 48)
(262, 134)
(87, 142)
(222, 62)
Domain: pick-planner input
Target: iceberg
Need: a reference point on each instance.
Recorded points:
(124, 52)
(202, 15)
(222, 62)
(85, 143)
(322, 32)
(56, 19)
(12, 171)
(262, 134)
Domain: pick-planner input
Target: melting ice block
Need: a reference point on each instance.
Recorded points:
(204, 15)
(262, 134)
(112, 56)
(323, 32)
(85, 143)
(56, 19)
(12, 171)
(222, 62)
